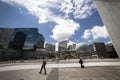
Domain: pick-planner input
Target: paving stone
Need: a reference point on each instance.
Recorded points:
(88, 73)
(91, 73)
(53, 74)
(30, 74)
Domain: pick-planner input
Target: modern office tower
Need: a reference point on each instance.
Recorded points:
(26, 39)
(99, 49)
(18, 41)
(40, 41)
(50, 48)
(111, 51)
(5, 35)
(62, 46)
(110, 13)
(72, 47)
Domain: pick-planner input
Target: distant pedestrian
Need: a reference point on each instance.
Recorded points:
(43, 66)
(81, 62)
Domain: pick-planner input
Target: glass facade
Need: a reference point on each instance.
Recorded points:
(5, 36)
(18, 41)
(33, 39)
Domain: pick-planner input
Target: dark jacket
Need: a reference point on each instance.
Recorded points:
(81, 61)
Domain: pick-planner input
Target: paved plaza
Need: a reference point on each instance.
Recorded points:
(90, 73)
(61, 71)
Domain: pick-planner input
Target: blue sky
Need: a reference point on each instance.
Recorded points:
(77, 21)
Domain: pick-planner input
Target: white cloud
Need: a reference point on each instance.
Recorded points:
(95, 33)
(83, 8)
(77, 44)
(90, 41)
(38, 8)
(99, 32)
(46, 11)
(66, 6)
(42, 8)
(71, 43)
(64, 29)
(109, 42)
(87, 34)
(79, 8)
(80, 44)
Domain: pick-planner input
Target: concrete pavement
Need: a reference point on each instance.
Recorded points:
(64, 70)
(89, 73)
(60, 65)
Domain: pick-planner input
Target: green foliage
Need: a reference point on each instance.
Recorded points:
(70, 54)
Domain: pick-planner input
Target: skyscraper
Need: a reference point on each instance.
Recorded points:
(72, 47)
(40, 40)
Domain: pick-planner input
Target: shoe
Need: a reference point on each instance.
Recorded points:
(39, 72)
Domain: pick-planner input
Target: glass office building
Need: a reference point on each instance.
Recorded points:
(5, 35)
(27, 39)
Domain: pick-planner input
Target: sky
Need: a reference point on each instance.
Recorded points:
(77, 21)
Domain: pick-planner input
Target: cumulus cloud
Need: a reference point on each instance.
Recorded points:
(80, 44)
(77, 44)
(42, 8)
(64, 29)
(83, 8)
(87, 34)
(71, 43)
(38, 8)
(80, 9)
(90, 41)
(58, 11)
(95, 33)
(109, 42)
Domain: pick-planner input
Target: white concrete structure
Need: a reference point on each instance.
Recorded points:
(110, 14)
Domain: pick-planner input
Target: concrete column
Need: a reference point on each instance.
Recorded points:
(110, 14)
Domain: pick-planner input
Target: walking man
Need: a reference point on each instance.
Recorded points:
(43, 66)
